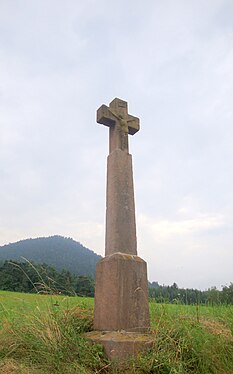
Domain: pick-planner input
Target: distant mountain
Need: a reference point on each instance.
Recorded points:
(57, 251)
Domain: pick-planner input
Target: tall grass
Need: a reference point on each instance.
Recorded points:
(50, 341)
(45, 335)
(188, 340)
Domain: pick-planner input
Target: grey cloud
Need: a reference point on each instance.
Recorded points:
(173, 63)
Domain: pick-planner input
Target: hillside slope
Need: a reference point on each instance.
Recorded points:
(57, 251)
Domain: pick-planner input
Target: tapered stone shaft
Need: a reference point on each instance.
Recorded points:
(120, 213)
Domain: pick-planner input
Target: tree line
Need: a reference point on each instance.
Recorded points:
(36, 278)
(30, 277)
(174, 294)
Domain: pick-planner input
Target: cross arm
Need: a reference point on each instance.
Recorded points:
(133, 124)
(105, 116)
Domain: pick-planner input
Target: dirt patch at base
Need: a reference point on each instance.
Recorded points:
(216, 328)
(13, 367)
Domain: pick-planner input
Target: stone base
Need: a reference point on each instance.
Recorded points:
(121, 345)
(121, 294)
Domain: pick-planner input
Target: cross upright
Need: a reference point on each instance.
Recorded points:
(120, 123)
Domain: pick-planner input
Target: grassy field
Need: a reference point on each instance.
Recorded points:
(43, 334)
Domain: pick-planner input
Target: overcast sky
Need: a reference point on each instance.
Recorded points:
(173, 62)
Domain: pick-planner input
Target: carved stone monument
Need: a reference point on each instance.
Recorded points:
(121, 295)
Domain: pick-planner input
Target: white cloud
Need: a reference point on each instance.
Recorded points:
(165, 229)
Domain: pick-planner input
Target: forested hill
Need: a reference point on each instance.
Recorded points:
(57, 251)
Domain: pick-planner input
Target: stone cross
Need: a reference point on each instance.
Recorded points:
(121, 294)
(121, 123)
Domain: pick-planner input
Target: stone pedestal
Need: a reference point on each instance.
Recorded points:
(121, 295)
(120, 345)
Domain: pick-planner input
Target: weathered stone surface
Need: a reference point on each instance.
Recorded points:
(120, 214)
(121, 345)
(121, 295)
(120, 122)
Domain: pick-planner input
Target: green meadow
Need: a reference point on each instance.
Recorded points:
(44, 334)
